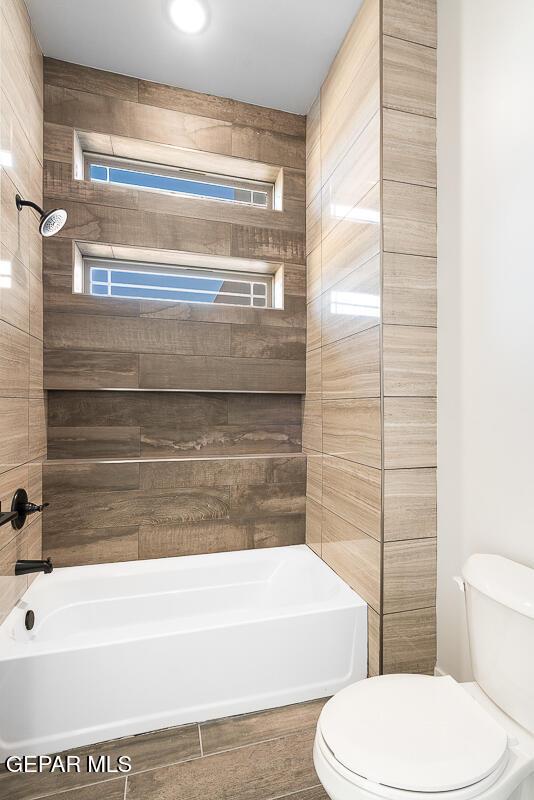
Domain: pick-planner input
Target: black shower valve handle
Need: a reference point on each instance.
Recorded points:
(21, 508)
(33, 508)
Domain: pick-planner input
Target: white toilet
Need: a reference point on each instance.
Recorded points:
(416, 737)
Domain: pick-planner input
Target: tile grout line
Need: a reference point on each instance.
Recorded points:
(200, 740)
(298, 791)
(125, 787)
(308, 729)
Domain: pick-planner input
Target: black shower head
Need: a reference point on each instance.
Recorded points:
(51, 222)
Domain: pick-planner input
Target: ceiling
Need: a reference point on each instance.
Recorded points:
(272, 53)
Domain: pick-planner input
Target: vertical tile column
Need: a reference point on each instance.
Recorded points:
(370, 407)
(342, 412)
(409, 334)
(22, 424)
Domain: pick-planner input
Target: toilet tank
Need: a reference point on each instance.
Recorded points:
(500, 619)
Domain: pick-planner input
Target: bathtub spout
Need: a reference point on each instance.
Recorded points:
(25, 567)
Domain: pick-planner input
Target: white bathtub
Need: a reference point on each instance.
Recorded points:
(119, 649)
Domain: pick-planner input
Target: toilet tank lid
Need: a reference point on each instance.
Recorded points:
(503, 580)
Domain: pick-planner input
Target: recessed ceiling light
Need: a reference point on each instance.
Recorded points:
(189, 16)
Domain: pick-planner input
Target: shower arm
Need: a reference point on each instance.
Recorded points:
(21, 203)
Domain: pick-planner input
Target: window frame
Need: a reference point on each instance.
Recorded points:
(96, 159)
(181, 270)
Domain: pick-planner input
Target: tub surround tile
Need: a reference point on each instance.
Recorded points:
(413, 20)
(354, 555)
(227, 439)
(314, 374)
(374, 642)
(94, 442)
(10, 481)
(312, 425)
(138, 424)
(314, 516)
(212, 373)
(353, 492)
(410, 504)
(226, 535)
(409, 219)
(342, 314)
(218, 471)
(74, 548)
(351, 430)
(99, 82)
(278, 531)
(249, 501)
(409, 356)
(351, 366)
(313, 334)
(14, 432)
(159, 348)
(139, 409)
(372, 516)
(353, 241)
(155, 509)
(409, 291)
(83, 369)
(409, 148)
(409, 575)
(314, 477)
(409, 77)
(313, 270)
(409, 432)
(409, 641)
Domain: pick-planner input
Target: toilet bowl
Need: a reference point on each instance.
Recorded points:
(416, 737)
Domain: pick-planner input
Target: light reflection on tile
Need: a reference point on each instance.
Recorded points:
(355, 304)
(356, 213)
(5, 274)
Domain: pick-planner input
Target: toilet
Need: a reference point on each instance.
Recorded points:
(417, 737)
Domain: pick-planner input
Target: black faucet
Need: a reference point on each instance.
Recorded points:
(20, 509)
(26, 567)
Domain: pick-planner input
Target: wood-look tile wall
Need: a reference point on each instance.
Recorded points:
(165, 498)
(409, 334)
(370, 407)
(106, 511)
(22, 420)
(97, 343)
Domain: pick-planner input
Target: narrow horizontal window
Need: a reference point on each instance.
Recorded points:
(176, 181)
(176, 284)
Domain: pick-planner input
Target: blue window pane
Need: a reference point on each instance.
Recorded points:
(155, 294)
(99, 275)
(100, 290)
(165, 281)
(98, 173)
(149, 180)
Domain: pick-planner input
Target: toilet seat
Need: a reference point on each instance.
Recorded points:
(412, 733)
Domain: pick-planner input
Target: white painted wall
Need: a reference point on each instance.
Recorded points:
(485, 296)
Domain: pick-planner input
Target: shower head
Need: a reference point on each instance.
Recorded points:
(51, 222)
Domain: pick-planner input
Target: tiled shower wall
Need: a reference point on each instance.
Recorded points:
(370, 409)
(22, 421)
(209, 440)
